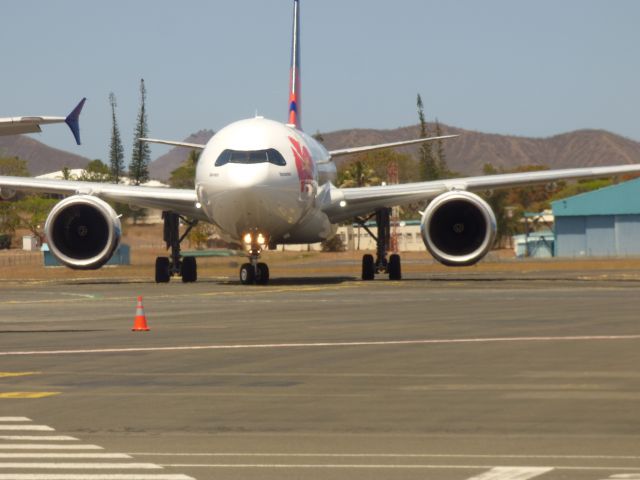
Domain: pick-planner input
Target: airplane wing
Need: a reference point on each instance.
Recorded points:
(342, 204)
(16, 125)
(180, 201)
(383, 146)
(196, 146)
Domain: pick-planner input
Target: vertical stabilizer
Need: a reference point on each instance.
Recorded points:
(295, 117)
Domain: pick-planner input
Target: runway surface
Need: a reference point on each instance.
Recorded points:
(456, 377)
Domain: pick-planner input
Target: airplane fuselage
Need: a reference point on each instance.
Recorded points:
(262, 176)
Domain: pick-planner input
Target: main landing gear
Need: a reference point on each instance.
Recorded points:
(254, 272)
(390, 266)
(175, 264)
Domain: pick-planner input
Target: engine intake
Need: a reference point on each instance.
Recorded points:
(83, 231)
(458, 228)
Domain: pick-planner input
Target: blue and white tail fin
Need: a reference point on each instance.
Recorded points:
(295, 117)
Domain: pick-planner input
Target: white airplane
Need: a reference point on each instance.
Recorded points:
(267, 183)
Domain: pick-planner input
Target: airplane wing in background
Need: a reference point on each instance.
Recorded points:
(17, 125)
(181, 201)
(342, 204)
(333, 153)
(383, 146)
(195, 146)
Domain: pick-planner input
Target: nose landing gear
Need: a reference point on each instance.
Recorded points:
(254, 272)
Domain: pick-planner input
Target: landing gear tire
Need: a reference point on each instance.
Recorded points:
(395, 272)
(368, 267)
(262, 274)
(247, 274)
(162, 270)
(189, 270)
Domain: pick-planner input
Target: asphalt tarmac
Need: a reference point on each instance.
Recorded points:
(455, 377)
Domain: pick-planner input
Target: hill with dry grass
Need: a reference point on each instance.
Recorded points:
(468, 153)
(40, 158)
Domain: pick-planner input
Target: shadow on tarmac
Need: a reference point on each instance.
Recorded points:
(297, 281)
(279, 281)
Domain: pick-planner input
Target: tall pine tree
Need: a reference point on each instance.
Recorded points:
(116, 151)
(141, 156)
(440, 155)
(428, 166)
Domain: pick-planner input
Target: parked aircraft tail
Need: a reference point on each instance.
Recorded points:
(295, 117)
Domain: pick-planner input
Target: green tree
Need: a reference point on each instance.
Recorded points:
(333, 244)
(565, 190)
(318, 136)
(95, 171)
(141, 156)
(428, 166)
(534, 198)
(14, 167)
(9, 218)
(440, 154)
(498, 200)
(33, 211)
(116, 150)
(184, 176)
(379, 161)
(358, 174)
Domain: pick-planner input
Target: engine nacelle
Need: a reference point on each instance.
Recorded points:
(83, 231)
(458, 228)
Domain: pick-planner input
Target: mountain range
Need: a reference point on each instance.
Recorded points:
(466, 154)
(40, 158)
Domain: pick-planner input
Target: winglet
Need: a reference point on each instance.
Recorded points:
(73, 120)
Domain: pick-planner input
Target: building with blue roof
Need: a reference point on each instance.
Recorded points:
(601, 223)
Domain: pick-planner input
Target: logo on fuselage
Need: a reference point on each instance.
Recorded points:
(304, 165)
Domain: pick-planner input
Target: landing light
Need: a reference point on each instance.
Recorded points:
(247, 238)
(261, 239)
(343, 203)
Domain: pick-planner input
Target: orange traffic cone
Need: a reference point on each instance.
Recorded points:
(140, 322)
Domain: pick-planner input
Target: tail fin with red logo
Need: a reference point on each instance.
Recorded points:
(294, 79)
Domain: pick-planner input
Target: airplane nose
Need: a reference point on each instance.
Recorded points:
(245, 176)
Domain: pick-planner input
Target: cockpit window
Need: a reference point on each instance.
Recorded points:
(254, 156)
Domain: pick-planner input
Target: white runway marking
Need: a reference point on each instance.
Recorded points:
(44, 438)
(391, 455)
(328, 466)
(88, 476)
(575, 338)
(512, 473)
(46, 446)
(45, 457)
(389, 467)
(84, 466)
(34, 428)
(63, 455)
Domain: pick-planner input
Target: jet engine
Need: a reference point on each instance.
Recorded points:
(83, 231)
(458, 228)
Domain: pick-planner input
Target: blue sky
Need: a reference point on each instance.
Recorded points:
(534, 68)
